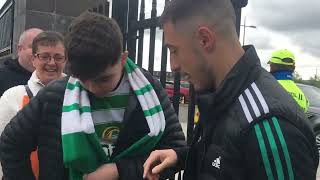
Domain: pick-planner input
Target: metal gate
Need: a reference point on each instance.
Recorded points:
(131, 16)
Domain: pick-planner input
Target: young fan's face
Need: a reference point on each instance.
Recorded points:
(106, 81)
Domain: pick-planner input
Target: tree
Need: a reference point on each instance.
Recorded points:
(315, 80)
(297, 77)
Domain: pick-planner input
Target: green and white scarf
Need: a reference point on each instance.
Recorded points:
(82, 151)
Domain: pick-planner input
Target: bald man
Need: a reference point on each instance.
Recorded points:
(18, 71)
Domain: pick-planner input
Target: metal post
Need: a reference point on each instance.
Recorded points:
(120, 14)
(163, 71)
(244, 30)
(152, 37)
(238, 20)
(164, 57)
(132, 32)
(176, 92)
(191, 109)
(141, 34)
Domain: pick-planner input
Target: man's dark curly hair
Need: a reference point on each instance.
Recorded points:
(93, 43)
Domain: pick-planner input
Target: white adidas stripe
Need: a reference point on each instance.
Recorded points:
(253, 103)
(261, 98)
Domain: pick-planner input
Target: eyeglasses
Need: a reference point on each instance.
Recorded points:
(45, 57)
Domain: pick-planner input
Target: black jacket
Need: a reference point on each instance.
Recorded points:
(250, 129)
(39, 125)
(12, 74)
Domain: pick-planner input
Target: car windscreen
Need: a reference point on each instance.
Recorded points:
(313, 95)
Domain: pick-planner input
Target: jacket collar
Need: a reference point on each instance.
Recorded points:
(283, 75)
(245, 71)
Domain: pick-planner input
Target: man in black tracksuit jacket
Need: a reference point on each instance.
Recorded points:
(250, 128)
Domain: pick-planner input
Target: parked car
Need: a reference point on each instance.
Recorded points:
(184, 91)
(313, 95)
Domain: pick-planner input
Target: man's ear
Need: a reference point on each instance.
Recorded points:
(124, 57)
(206, 38)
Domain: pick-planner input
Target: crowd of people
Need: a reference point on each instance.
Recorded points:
(108, 119)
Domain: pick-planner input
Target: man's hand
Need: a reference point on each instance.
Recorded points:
(157, 162)
(105, 172)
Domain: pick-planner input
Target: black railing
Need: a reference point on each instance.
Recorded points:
(141, 34)
(101, 8)
(152, 37)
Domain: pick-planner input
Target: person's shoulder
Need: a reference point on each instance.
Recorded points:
(154, 81)
(145, 72)
(54, 89)
(7, 70)
(20, 89)
(57, 85)
(14, 94)
(6, 62)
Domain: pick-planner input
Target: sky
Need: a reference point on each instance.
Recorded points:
(284, 24)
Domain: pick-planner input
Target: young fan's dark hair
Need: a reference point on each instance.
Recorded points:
(93, 43)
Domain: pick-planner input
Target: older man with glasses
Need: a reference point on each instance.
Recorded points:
(49, 61)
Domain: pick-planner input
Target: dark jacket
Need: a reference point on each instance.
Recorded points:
(39, 125)
(12, 74)
(250, 129)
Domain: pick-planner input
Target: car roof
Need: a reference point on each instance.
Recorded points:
(305, 85)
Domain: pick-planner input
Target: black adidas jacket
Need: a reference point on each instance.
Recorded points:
(12, 74)
(38, 125)
(250, 129)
